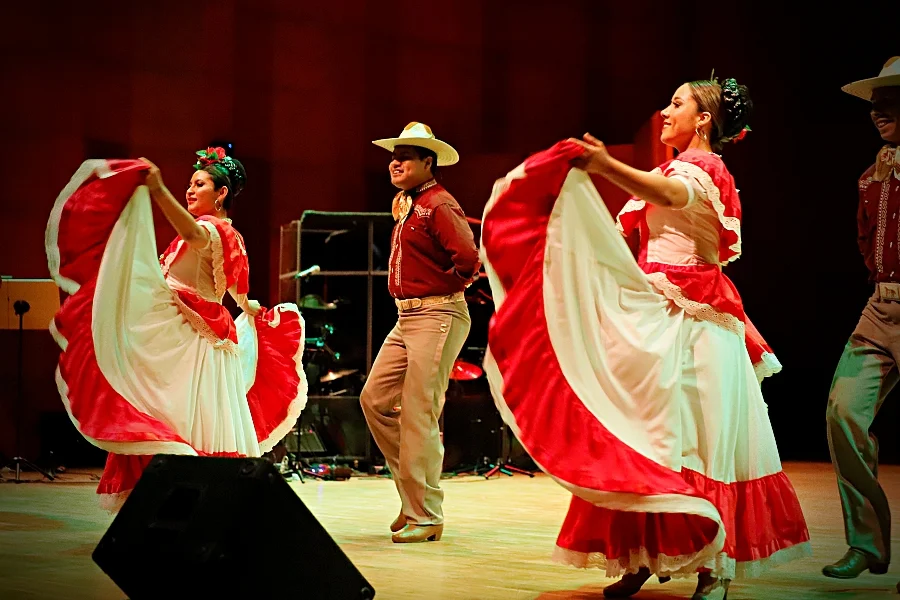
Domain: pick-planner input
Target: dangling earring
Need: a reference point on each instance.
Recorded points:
(218, 205)
(699, 133)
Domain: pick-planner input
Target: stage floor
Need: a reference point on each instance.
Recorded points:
(497, 542)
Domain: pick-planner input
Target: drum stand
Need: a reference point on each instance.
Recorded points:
(503, 465)
(298, 465)
(484, 466)
(317, 358)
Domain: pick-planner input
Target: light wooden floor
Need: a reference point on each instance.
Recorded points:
(497, 542)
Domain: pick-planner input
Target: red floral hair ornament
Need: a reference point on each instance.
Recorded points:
(742, 134)
(209, 156)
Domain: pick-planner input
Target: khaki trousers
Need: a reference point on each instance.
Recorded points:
(403, 398)
(865, 374)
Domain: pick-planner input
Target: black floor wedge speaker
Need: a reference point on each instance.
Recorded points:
(209, 527)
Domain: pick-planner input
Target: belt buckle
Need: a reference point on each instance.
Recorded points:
(889, 291)
(409, 303)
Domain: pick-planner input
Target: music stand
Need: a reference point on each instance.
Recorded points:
(27, 304)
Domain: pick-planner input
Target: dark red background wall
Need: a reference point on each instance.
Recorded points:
(301, 88)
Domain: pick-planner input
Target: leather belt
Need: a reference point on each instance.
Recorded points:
(411, 303)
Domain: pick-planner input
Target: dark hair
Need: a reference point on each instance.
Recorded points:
(424, 153)
(728, 103)
(229, 172)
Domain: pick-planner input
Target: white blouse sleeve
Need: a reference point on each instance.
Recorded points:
(240, 299)
(694, 189)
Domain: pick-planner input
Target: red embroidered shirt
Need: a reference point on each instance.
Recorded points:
(433, 251)
(878, 222)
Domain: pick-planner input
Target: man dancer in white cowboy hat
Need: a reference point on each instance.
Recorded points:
(868, 368)
(433, 258)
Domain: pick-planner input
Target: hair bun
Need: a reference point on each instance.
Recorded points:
(236, 173)
(736, 108)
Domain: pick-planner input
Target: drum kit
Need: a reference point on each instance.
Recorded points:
(300, 453)
(321, 363)
(465, 371)
(328, 377)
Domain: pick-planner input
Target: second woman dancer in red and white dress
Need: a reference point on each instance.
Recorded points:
(635, 384)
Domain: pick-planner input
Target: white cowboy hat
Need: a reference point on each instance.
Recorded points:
(419, 134)
(889, 76)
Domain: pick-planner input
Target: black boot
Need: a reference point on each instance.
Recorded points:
(710, 588)
(852, 565)
(630, 584)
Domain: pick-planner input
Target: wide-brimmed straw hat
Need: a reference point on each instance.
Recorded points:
(889, 77)
(419, 134)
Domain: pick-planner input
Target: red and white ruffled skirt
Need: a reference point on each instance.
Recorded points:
(136, 377)
(652, 417)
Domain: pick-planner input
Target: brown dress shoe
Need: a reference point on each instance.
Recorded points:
(399, 523)
(852, 565)
(412, 534)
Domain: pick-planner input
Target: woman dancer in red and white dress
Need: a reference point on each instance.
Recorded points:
(152, 362)
(635, 384)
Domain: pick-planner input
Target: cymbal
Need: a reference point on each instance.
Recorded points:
(465, 371)
(332, 375)
(316, 302)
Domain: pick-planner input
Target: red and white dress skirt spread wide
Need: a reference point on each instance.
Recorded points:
(151, 361)
(636, 390)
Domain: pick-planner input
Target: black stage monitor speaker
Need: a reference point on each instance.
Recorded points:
(208, 527)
